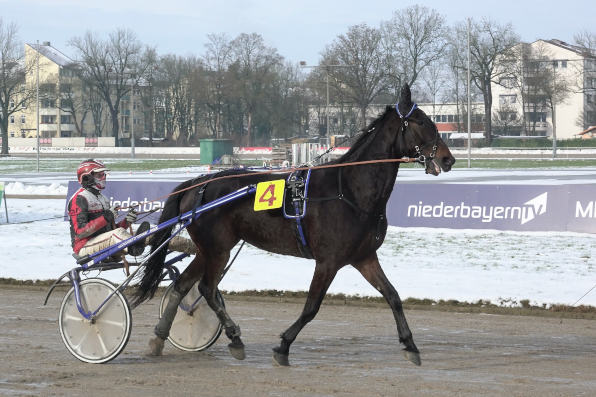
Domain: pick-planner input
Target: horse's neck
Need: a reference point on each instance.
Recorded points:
(373, 184)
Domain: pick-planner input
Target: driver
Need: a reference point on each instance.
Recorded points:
(92, 220)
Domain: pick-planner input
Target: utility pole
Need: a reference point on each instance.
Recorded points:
(37, 105)
(554, 112)
(132, 118)
(327, 69)
(469, 104)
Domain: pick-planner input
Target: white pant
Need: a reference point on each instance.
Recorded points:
(105, 240)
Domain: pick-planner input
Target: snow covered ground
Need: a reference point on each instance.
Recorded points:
(466, 265)
(19, 188)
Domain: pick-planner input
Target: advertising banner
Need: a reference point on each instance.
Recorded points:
(126, 193)
(541, 208)
(498, 207)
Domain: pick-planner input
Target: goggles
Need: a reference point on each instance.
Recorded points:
(99, 175)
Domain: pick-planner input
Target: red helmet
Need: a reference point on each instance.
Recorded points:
(87, 167)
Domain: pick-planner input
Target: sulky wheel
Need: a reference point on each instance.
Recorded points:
(197, 330)
(102, 339)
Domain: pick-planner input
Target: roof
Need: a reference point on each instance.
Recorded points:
(591, 129)
(53, 55)
(464, 135)
(567, 46)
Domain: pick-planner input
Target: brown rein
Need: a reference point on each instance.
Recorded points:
(318, 167)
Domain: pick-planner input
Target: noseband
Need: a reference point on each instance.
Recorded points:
(405, 126)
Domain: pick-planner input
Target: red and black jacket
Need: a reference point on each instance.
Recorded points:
(89, 216)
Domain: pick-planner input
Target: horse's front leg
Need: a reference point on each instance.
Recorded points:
(185, 282)
(370, 268)
(324, 275)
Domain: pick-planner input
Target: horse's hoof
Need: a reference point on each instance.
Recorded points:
(412, 357)
(236, 348)
(280, 359)
(237, 352)
(156, 344)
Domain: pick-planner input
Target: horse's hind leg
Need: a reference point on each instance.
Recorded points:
(370, 268)
(184, 283)
(208, 288)
(321, 281)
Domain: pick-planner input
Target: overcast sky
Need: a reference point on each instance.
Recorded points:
(299, 29)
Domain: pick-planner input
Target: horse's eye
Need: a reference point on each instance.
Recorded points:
(419, 122)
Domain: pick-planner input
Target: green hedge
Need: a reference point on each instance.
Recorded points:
(542, 142)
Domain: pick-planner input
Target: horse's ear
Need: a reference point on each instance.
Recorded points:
(405, 103)
(406, 96)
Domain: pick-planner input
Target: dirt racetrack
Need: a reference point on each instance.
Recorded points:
(345, 351)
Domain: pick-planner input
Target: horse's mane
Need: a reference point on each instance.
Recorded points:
(366, 136)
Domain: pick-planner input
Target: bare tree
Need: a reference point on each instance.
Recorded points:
(506, 120)
(586, 77)
(364, 77)
(16, 91)
(71, 96)
(178, 102)
(216, 88)
(253, 66)
(412, 39)
(433, 81)
(492, 57)
(112, 65)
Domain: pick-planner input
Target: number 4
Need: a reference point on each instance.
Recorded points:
(271, 189)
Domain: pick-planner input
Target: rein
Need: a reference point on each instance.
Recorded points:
(402, 160)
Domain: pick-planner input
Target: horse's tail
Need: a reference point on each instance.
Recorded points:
(150, 274)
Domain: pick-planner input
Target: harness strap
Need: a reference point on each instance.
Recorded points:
(351, 204)
(200, 198)
(299, 232)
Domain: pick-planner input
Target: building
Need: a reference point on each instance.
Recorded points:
(449, 117)
(549, 91)
(67, 107)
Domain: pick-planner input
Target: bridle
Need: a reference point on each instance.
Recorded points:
(405, 126)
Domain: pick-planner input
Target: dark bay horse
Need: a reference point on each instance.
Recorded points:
(338, 234)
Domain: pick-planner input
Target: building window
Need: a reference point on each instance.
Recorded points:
(136, 121)
(564, 64)
(136, 92)
(66, 119)
(23, 105)
(443, 118)
(12, 134)
(48, 103)
(507, 99)
(12, 103)
(23, 119)
(555, 64)
(590, 98)
(136, 105)
(48, 119)
(513, 116)
(450, 118)
(437, 119)
(508, 82)
(538, 117)
(11, 119)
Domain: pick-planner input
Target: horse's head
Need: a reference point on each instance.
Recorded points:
(419, 136)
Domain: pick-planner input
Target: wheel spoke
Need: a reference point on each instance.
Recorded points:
(78, 347)
(101, 342)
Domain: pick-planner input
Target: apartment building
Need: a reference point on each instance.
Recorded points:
(66, 107)
(552, 91)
